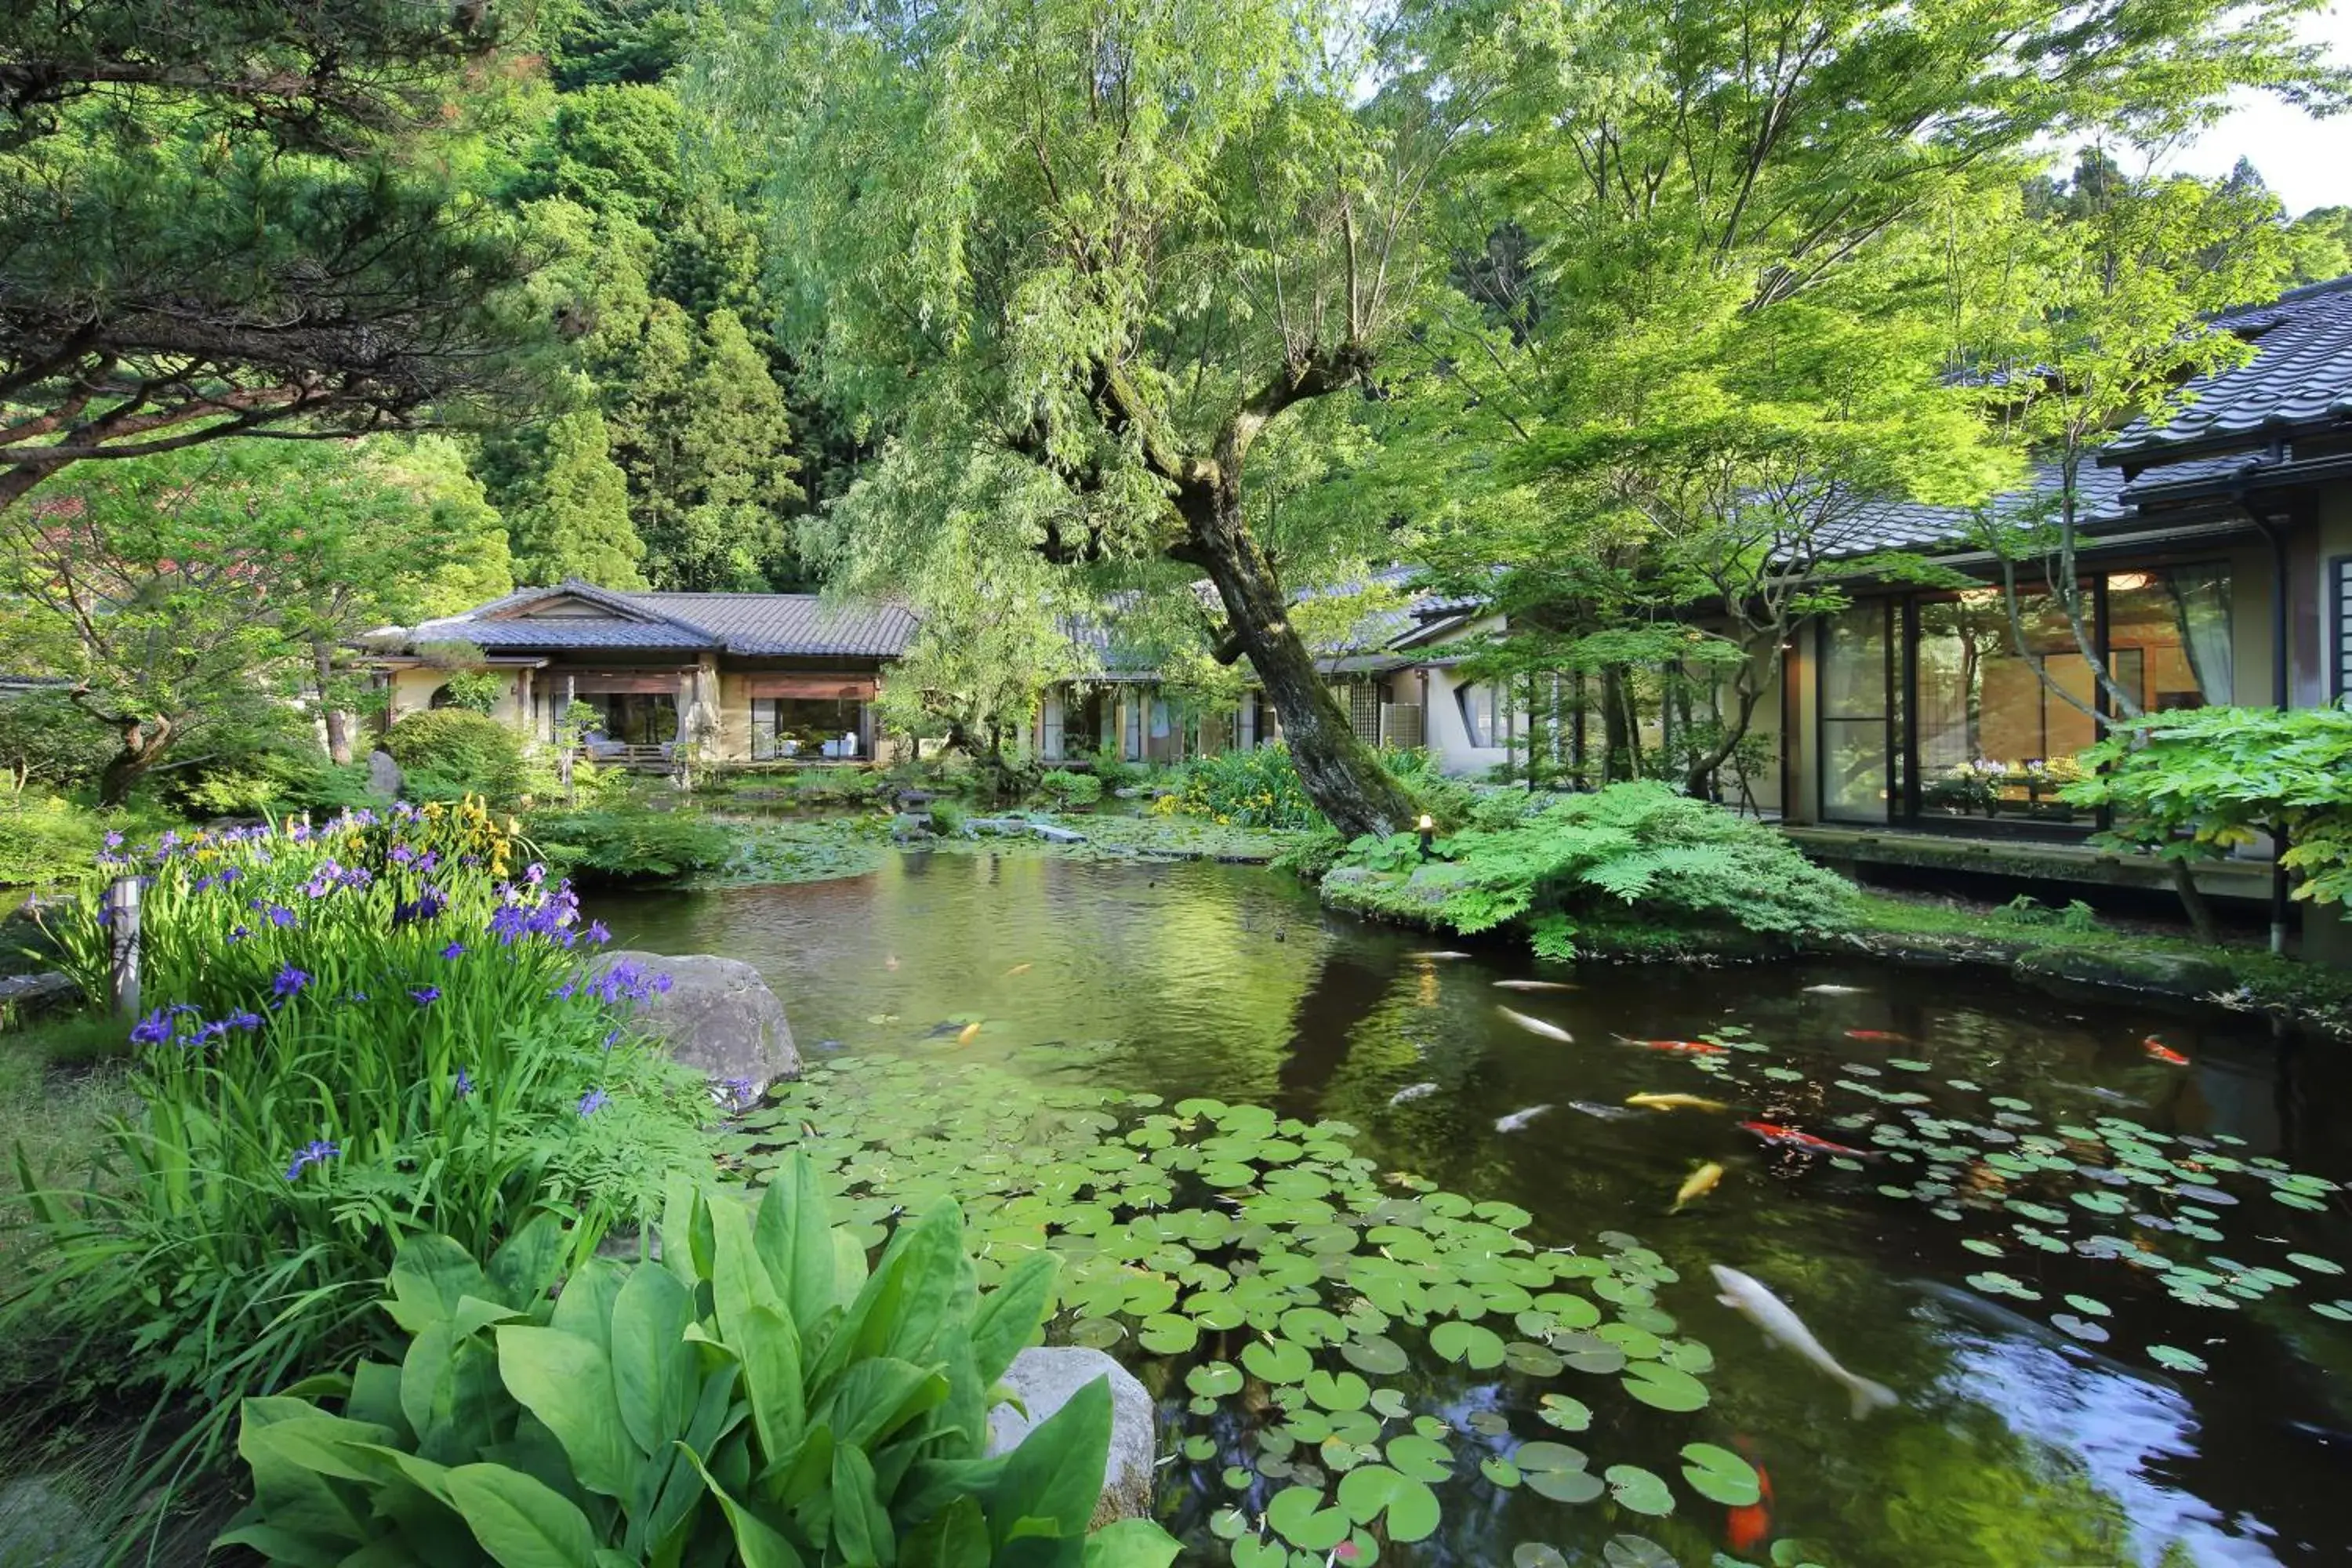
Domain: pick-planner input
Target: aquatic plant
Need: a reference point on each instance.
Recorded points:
(1365, 1355)
(756, 1396)
(357, 1031)
(1630, 854)
(1070, 791)
(1257, 787)
(623, 845)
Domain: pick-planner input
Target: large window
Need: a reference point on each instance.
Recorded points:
(634, 718)
(807, 727)
(1857, 782)
(1486, 713)
(1945, 707)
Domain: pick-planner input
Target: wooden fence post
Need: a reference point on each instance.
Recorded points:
(123, 931)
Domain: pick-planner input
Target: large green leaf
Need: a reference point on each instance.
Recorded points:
(522, 1522)
(861, 1528)
(1057, 1473)
(1009, 1316)
(567, 1383)
(875, 1398)
(430, 1275)
(290, 1475)
(527, 1263)
(1130, 1544)
(757, 1542)
(448, 1392)
(585, 1307)
(924, 1276)
(738, 1281)
(955, 1537)
(796, 1244)
(765, 1344)
(653, 1366)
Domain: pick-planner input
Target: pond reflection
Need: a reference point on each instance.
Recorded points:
(2016, 1443)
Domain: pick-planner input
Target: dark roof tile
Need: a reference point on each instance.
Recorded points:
(2301, 371)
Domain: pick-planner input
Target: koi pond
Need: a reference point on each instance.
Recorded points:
(1399, 1261)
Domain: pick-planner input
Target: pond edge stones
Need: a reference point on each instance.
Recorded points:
(1046, 1379)
(717, 1016)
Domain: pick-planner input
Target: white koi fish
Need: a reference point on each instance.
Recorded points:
(1538, 1026)
(1533, 985)
(1518, 1119)
(1748, 1297)
(1413, 1091)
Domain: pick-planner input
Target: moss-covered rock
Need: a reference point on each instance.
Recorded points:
(2158, 973)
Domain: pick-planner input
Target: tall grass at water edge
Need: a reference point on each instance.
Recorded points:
(361, 1031)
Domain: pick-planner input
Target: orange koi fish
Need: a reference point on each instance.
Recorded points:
(1746, 1528)
(1789, 1137)
(964, 1035)
(2163, 1053)
(1687, 1048)
(1878, 1037)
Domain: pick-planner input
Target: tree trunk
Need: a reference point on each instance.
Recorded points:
(142, 748)
(1613, 748)
(338, 734)
(1339, 771)
(2192, 902)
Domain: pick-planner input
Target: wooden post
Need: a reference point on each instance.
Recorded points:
(123, 930)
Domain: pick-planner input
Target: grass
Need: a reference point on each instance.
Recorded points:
(60, 1078)
(2314, 993)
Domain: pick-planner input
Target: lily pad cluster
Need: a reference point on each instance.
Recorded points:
(2193, 1217)
(1351, 1357)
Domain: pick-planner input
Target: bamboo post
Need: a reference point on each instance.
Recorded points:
(123, 931)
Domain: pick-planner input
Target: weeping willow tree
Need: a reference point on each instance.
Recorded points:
(1077, 260)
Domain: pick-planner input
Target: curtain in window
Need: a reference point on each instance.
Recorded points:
(2201, 608)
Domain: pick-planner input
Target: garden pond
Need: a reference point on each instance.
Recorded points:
(1398, 1262)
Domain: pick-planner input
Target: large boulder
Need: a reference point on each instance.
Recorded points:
(2157, 973)
(41, 1526)
(1046, 1379)
(383, 775)
(715, 1014)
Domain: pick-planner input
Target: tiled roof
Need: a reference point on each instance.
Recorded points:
(782, 625)
(2301, 373)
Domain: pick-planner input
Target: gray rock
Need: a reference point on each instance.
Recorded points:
(718, 1015)
(32, 993)
(1046, 1379)
(2158, 973)
(1053, 835)
(43, 1527)
(383, 775)
(909, 825)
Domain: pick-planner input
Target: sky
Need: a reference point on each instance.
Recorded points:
(2307, 162)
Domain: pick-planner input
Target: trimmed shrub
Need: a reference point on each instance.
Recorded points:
(625, 846)
(450, 748)
(1633, 854)
(1069, 791)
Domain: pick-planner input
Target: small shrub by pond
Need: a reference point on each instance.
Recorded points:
(355, 1033)
(1068, 791)
(1571, 869)
(625, 845)
(756, 1396)
(454, 751)
(1255, 788)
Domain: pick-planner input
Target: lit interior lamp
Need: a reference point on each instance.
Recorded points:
(1428, 828)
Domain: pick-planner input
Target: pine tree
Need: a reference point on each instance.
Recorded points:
(577, 521)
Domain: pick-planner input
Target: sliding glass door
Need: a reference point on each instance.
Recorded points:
(1856, 717)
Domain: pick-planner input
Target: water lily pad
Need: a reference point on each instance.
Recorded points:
(2080, 1328)
(1557, 1471)
(1635, 1551)
(1531, 1359)
(1479, 1348)
(1720, 1475)
(1423, 1457)
(1664, 1387)
(1164, 1334)
(1215, 1380)
(1200, 1448)
(1500, 1471)
(1567, 1415)
(1638, 1490)
(1340, 1390)
(1097, 1333)
(1228, 1524)
(1298, 1516)
(2310, 1263)
(1996, 1284)
(2090, 1306)
(1536, 1554)
(1371, 1491)
(2174, 1359)
(1375, 1354)
(1977, 1244)
(1277, 1361)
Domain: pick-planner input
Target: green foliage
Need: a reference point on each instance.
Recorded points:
(2023, 910)
(755, 1396)
(623, 845)
(46, 739)
(45, 839)
(1632, 852)
(574, 519)
(474, 690)
(1070, 791)
(948, 819)
(1258, 787)
(457, 746)
(2199, 783)
(358, 1032)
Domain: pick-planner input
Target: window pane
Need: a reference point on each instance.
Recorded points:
(812, 727)
(1478, 704)
(1855, 783)
(1997, 731)
(2169, 632)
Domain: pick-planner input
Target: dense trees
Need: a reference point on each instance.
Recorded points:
(228, 218)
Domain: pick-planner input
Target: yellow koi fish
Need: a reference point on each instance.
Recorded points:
(1698, 1184)
(1675, 1102)
(964, 1035)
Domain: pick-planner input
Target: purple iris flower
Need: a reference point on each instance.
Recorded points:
(152, 1030)
(465, 1083)
(290, 982)
(597, 933)
(534, 874)
(280, 916)
(661, 984)
(424, 996)
(317, 1152)
(592, 1101)
(402, 853)
(114, 841)
(238, 933)
(242, 1020)
(453, 950)
(612, 1038)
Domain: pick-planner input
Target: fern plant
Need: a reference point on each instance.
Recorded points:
(1636, 852)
